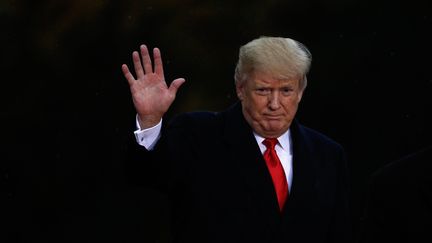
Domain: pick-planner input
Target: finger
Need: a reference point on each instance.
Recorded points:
(147, 63)
(175, 85)
(128, 75)
(158, 62)
(137, 65)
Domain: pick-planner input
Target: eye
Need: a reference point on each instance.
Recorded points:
(262, 91)
(287, 91)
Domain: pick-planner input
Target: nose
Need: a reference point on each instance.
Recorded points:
(274, 102)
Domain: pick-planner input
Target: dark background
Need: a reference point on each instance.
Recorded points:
(66, 108)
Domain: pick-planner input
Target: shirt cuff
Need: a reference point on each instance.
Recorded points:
(148, 137)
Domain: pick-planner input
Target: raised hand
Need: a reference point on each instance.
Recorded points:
(150, 93)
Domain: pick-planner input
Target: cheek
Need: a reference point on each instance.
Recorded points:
(255, 103)
(290, 107)
(259, 105)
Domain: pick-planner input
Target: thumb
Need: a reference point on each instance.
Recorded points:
(175, 85)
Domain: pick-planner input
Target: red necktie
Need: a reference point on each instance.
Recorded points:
(276, 171)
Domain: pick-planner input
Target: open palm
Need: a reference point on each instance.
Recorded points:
(150, 94)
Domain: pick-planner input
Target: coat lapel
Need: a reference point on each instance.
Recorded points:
(249, 162)
(301, 204)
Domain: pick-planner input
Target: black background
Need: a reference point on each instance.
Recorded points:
(66, 108)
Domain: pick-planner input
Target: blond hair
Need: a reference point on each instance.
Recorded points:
(284, 58)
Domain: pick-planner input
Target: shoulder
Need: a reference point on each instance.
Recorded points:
(315, 139)
(203, 117)
(208, 121)
(198, 121)
(324, 151)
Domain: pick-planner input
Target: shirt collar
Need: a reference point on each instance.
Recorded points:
(284, 141)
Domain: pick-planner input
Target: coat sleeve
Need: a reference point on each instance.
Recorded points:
(163, 167)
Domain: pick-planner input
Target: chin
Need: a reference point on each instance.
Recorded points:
(277, 130)
(275, 125)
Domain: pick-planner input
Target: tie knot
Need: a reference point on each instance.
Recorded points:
(270, 143)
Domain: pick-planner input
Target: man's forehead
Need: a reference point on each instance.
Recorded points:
(273, 77)
(274, 80)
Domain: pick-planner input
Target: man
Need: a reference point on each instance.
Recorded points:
(399, 208)
(251, 173)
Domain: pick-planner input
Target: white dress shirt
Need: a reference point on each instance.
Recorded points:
(150, 136)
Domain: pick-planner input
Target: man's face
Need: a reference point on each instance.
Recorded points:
(269, 104)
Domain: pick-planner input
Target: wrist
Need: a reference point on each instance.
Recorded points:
(148, 121)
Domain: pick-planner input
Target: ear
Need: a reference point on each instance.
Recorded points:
(240, 90)
(300, 95)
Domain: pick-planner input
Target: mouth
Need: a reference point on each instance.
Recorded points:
(273, 117)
